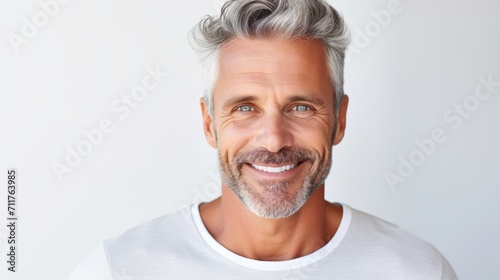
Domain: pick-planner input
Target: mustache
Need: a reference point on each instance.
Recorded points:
(285, 155)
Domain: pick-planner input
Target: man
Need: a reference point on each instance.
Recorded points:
(274, 107)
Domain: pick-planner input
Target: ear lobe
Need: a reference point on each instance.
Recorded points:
(341, 121)
(208, 125)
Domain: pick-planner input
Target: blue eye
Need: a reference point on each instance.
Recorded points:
(301, 108)
(245, 108)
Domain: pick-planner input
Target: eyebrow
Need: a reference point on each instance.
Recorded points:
(295, 98)
(306, 98)
(238, 99)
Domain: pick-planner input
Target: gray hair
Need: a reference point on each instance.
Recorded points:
(284, 19)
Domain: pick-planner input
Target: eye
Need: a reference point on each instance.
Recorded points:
(244, 108)
(302, 111)
(301, 108)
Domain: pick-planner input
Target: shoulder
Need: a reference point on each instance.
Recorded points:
(385, 237)
(149, 237)
(155, 245)
(379, 242)
(93, 266)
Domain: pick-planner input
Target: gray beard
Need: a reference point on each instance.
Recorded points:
(276, 201)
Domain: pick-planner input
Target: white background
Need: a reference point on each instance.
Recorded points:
(406, 74)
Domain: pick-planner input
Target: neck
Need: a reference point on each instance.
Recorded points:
(248, 235)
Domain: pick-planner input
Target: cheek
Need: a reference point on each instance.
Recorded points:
(314, 134)
(233, 138)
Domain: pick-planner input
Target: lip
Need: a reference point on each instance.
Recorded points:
(274, 169)
(274, 172)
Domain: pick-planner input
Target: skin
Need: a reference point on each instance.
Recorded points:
(273, 94)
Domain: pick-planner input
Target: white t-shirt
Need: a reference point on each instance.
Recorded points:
(178, 246)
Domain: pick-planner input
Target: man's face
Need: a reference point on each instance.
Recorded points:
(274, 122)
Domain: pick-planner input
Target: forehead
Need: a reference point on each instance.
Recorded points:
(271, 55)
(273, 64)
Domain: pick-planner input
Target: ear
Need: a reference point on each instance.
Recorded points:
(208, 125)
(341, 121)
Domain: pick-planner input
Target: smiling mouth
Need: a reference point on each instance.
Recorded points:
(274, 169)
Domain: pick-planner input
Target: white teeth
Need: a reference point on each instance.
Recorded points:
(271, 169)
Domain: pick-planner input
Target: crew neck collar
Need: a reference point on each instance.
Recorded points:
(274, 265)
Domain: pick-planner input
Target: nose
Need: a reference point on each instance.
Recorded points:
(274, 133)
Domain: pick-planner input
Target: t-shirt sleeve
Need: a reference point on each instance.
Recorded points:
(94, 266)
(447, 273)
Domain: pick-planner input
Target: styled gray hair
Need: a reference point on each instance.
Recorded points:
(283, 19)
